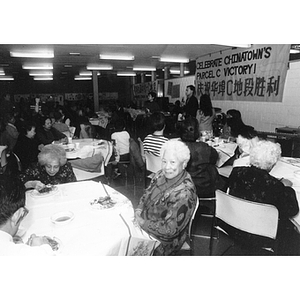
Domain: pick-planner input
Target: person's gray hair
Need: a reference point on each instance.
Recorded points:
(52, 152)
(181, 149)
(265, 154)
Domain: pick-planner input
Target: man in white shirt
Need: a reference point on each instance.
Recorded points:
(12, 212)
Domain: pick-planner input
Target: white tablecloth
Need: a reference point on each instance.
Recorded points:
(92, 231)
(134, 113)
(83, 148)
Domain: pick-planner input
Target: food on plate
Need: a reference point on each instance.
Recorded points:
(103, 202)
(53, 243)
(46, 189)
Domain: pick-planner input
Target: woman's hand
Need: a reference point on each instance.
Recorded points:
(138, 217)
(35, 184)
(35, 240)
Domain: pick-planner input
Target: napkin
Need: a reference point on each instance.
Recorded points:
(90, 164)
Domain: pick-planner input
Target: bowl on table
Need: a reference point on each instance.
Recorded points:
(62, 218)
(69, 147)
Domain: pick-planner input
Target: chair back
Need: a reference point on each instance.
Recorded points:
(72, 131)
(3, 156)
(85, 131)
(142, 148)
(187, 246)
(192, 218)
(255, 218)
(153, 163)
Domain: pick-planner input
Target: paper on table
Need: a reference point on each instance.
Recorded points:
(291, 160)
(225, 151)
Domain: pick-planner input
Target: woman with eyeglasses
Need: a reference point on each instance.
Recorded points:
(52, 168)
(12, 212)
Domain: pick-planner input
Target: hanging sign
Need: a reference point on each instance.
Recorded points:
(254, 74)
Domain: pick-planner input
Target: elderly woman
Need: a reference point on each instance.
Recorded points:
(254, 183)
(168, 203)
(52, 168)
(48, 134)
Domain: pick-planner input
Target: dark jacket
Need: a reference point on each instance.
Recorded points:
(191, 106)
(258, 185)
(48, 136)
(202, 168)
(27, 150)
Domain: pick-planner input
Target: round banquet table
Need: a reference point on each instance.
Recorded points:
(93, 231)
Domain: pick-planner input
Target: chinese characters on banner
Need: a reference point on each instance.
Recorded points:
(254, 74)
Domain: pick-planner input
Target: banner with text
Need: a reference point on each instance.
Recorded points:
(254, 74)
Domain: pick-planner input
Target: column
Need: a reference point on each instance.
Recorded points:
(166, 73)
(153, 76)
(95, 91)
(181, 69)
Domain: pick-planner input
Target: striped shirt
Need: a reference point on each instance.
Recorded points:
(153, 143)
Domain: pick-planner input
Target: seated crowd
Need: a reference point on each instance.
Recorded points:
(187, 168)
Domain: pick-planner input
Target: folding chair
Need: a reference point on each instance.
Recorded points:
(239, 219)
(152, 162)
(3, 161)
(188, 245)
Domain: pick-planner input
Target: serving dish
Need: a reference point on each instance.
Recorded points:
(49, 191)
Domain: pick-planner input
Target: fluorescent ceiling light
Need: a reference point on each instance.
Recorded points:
(2, 74)
(82, 78)
(42, 66)
(116, 57)
(294, 51)
(43, 78)
(99, 67)
(238, 45)
(126, 74)
(87, 73)
(32, 54)
(6, 78)
(45, 73)
(178, 72)
(74, 53)
(174, 59)
(144, 69)
(68, 66)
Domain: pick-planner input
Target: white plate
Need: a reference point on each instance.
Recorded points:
(62, 218)
(37, 194)
(99, 206)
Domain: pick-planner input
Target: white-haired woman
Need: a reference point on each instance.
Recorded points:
(254, 183)
(168, 203)
(52, 168)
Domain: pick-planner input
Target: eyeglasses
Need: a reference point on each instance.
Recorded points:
(23, 215)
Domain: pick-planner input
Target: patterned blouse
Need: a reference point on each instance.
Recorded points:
(38, 172)
(167, 207)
